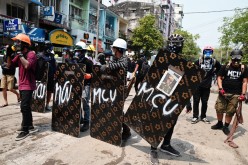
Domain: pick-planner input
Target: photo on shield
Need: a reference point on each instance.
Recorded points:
(169, 81)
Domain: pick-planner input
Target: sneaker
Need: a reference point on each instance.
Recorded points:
(169, 150)
(85, 127)
(31, 130)
(154, 157)
(22, 135)
(226, 130)
(205, 120)
(217, 126)
(125, 135)
(194, 120)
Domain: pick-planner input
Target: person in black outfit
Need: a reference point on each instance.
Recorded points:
(48, 56)
(175, 45)
(210, 66)
(139, 75)
(79, 57)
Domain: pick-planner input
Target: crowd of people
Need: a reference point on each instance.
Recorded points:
(231, 80)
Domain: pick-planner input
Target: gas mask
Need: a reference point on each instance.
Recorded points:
(77, 55)
(236, 62)
(17, 46)
(175, 47)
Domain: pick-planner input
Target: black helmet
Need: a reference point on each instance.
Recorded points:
(175, 43)
(236, 54)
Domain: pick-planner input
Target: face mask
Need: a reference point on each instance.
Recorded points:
(77, 54)
(107, 59)
(174, 49)
(236, 62)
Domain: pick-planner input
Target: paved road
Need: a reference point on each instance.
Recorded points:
(197, 143)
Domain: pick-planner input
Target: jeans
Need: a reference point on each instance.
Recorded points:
(86, 107)
(203, 95)
(27, 118)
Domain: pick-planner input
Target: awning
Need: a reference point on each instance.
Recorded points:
(36, 2)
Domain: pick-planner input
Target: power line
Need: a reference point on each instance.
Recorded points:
(214, 11)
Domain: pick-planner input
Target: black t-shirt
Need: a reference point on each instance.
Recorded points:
(210, 67)
(233, 78)
(89, 64)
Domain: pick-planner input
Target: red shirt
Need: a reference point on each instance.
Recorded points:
(26, 76)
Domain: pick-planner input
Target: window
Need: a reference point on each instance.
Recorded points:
(75, 12)
(55, 3)
(15, 11)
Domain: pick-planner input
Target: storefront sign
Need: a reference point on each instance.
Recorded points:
(12, 24)
(48, 11)
(37, 34)
(61, 37)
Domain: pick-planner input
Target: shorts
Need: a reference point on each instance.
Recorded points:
(50, 85)
(227, 104)
(8, 82)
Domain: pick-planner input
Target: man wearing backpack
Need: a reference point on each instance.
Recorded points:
(26, 61)
(210, 66)
(232, 83)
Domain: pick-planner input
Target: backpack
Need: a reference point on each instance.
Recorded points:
(40, 68)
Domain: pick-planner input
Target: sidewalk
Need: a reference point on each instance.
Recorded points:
(197, 143)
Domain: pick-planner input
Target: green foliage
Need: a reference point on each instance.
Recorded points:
(235, 32)
(146, 36)
(190, 49)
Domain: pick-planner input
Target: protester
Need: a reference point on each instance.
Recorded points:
(175, 45)
(232, 83)
(210, 66)
(120, 61)
(26, 61)
(137, 71)
(131, 68)
(48, 56)
(8, 76)
(91, 53)
(79, 56)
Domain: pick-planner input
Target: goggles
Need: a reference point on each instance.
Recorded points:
(236, 57)
(207, 52)
(176, 43)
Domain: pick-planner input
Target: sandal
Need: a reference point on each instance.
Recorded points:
(4, 105)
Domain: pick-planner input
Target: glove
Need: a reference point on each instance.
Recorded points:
(222, 92)
(87, 76)
(103, 68)
(242, 97)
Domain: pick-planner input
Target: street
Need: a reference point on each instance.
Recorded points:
(197, 143)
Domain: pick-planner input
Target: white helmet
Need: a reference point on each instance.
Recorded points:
(81, 44)
(120, 43)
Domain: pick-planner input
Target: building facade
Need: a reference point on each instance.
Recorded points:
(63, 22)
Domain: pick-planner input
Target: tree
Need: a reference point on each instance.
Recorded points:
(235, 32)
(190, 49)
(146, 36)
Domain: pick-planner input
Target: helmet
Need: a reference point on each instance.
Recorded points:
(176, 38)
(120, 43)
(82, 44)
(22, 37)
(91, 48)
(175, 44)
(236, 54)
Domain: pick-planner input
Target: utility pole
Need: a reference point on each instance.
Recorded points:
(97, 27)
